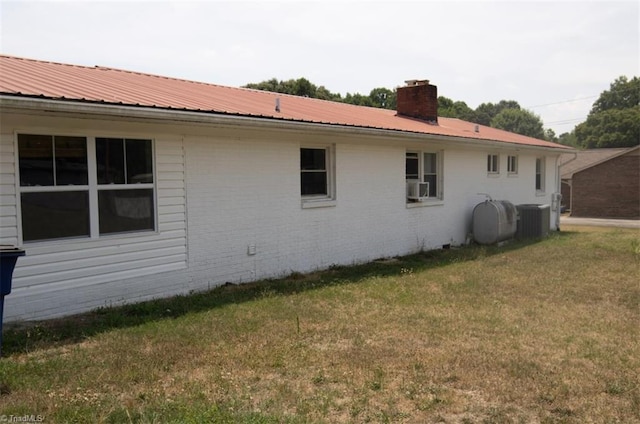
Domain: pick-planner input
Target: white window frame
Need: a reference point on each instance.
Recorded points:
(439, 197)
(321, 200)
(92, 187)
(539, 174)
(493, 164)
(512, 165)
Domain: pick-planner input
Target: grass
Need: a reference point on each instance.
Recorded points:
(542, 332)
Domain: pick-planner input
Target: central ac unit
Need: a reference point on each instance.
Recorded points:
(417, 190)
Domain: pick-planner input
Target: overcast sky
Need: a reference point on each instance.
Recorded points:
(554, 58)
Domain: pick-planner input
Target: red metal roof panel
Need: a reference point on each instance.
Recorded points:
(28, 77)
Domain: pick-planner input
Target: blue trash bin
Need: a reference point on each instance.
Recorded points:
(8, 257)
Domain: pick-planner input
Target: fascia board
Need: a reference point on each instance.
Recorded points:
(140, 113)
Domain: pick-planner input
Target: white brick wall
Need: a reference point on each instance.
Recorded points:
(243, 188)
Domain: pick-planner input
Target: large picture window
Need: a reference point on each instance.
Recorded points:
(67, 191)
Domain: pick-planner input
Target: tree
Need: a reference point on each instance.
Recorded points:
(487, 111)
(614, 119)
(358, 99)
(269, 85)
(450, 109)
(519, 121)
(303, 87)
(569, 139)
(550, 135)
(324, 94)
(622, 94)
(383, 98)
(610, 128)
(296, 87)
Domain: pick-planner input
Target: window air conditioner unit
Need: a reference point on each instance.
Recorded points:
(417, 190)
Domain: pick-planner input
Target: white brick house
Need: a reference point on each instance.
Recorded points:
(123, 186)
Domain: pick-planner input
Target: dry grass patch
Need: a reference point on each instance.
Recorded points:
(544, 332)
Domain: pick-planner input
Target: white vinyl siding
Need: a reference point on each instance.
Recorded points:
(8, 206)
(78, 263)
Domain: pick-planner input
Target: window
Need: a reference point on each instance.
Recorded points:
(512, 164)
(125, 185)
(493, 164)
(316, 179)
(423, 173)
(57, 188)
(54, 193)
(540, 174)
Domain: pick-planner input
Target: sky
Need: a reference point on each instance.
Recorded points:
(553, 57)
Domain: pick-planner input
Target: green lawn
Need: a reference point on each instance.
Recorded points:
(529, 332)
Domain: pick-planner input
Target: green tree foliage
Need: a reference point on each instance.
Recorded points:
(622, 94)
(383, 98)
(614, 120)
(450, 109)
(610, 128)
(358, 99)
(550, 135)
(297, 87)
(519, 121)
(569, 139)
(487, 111)
(324, 94)
(506, 114)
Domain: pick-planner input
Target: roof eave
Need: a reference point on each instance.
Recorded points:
(22, 103)
(598, 162)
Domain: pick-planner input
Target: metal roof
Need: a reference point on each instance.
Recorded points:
(56, 81)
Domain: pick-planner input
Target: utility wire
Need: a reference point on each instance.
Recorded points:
(565, 121)
(616, 91)
(563, 101)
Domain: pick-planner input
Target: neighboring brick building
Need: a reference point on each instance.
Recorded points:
(602, 183)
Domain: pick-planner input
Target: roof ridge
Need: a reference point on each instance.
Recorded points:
(164, 77)
(28, 59)
(109, 68)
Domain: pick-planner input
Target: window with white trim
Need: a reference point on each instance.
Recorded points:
(493, 164)
(423, 174)
(316, 173)
(540, 170)
(75, 186)
(512, 165)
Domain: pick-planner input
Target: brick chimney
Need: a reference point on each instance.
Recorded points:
(418, 99)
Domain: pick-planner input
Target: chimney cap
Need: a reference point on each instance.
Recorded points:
(413, 82)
